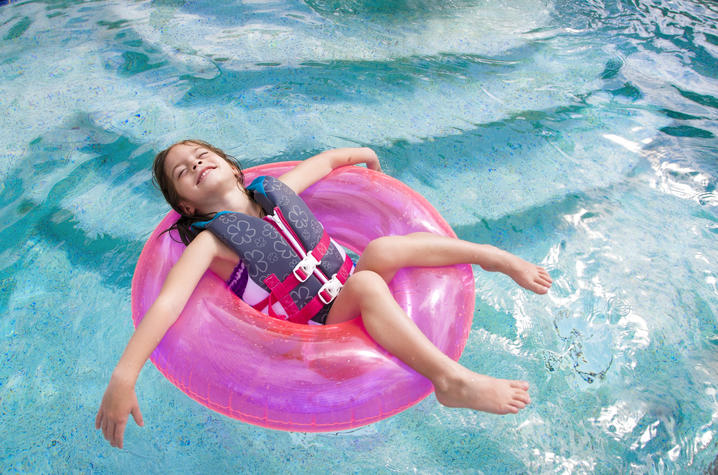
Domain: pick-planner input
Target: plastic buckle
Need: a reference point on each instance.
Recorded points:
(306, 266)
(332, 287)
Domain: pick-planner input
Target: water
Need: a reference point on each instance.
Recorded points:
(581, 135)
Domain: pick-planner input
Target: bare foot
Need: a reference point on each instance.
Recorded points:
(529, 276)
(483, 393)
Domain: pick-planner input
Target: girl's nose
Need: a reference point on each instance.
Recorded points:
(199, 162)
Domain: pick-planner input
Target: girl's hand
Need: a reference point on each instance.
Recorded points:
(372, 161)
(117, 404)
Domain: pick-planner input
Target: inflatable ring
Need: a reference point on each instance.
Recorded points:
(281, 375)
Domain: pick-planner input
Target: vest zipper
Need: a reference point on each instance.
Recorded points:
(296, 245)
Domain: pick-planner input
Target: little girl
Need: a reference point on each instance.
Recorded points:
(200, 182)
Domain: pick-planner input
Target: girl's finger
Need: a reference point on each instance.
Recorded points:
(98, 419)
(111, 434)
(118, 435)
(137, 415)
(105, 432)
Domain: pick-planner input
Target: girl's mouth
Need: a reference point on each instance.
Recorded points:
(203, 174)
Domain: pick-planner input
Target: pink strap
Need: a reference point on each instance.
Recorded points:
(280, 291)
(315, 305)
(345, 270)
(322, 247)
(260, 305)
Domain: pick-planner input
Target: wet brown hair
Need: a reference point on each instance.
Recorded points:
(164, 183)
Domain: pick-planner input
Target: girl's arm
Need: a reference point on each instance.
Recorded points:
(317, 167)
(120, 399)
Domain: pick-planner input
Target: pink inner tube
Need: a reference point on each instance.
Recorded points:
(281, 375)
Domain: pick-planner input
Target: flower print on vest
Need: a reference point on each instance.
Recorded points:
(301, 294)
(275, 185)
(333, 254)
(241, 232)
(258, 265)
(269, 232)
(283, 249)
(227, 218)
(298, 216)
(271, 184)
(316, 227)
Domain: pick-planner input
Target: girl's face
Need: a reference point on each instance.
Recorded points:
(199, 176)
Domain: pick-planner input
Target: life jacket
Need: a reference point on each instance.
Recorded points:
(294, 268)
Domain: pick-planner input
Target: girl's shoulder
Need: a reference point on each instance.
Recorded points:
(207, 242)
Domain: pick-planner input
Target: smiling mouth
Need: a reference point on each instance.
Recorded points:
(203, 174)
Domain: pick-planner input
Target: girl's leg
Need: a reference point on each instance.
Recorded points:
(388, 254)
(367, 293)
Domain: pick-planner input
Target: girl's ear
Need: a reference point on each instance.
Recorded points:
(186, 208)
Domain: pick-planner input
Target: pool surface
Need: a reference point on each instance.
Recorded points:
(578, 135)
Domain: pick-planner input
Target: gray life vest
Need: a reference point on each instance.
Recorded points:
(287, 254)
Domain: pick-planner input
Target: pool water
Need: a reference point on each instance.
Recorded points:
(579, 135)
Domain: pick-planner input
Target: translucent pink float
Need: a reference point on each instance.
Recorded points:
(280, 375)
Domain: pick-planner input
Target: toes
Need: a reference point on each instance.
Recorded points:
(541, 285)
(519, 394)
(515, 406)
(523, 398)
(544, 274)
(539, 288)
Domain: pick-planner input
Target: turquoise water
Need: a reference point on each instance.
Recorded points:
(581, 135)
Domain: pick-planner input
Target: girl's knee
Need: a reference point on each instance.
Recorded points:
(365, 282)
(363, 291)
(383, 251)
(380, 246)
